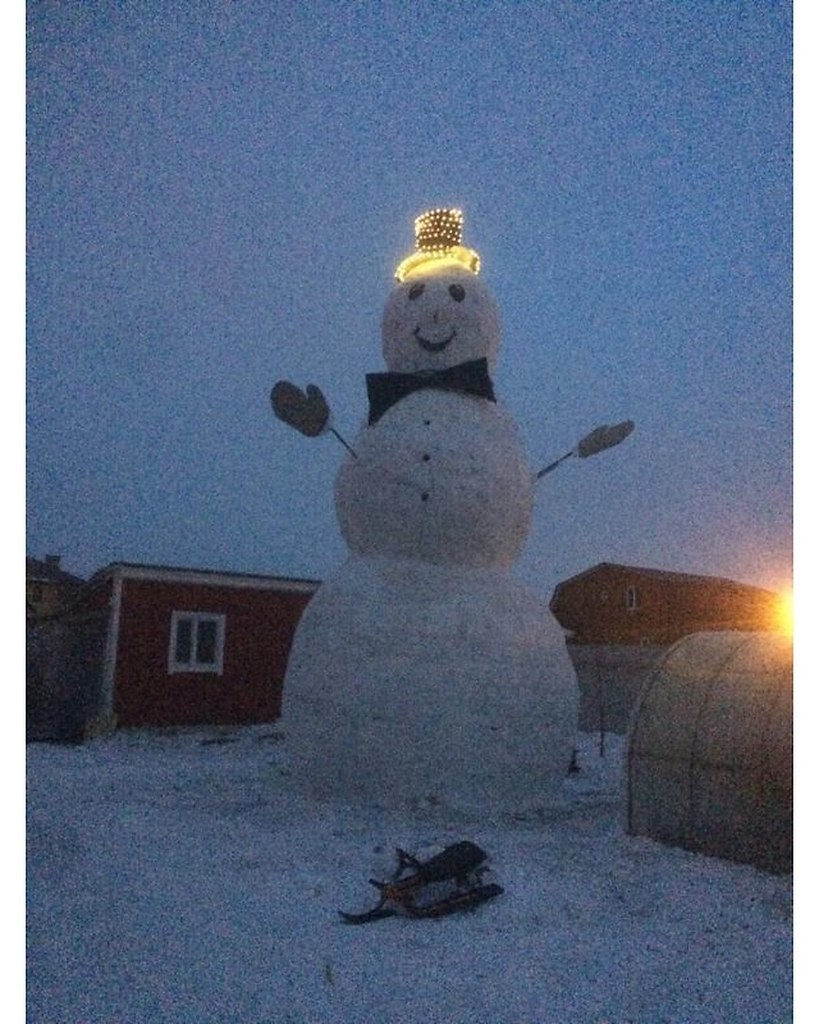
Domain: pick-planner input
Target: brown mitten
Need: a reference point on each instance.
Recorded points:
(308, 413)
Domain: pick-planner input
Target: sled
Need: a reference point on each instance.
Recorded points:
(458, 870)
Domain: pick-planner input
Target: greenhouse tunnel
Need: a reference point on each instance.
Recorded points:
(709, 756)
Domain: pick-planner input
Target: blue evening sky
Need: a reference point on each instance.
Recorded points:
(219, 192)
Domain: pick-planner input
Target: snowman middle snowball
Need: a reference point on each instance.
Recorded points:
(442, 475)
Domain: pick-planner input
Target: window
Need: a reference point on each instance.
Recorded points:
(632, 599)
(197, 642)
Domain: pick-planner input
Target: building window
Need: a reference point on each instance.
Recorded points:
(632, 599)
(197, 642)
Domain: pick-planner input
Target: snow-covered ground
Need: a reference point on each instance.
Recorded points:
(182, 878)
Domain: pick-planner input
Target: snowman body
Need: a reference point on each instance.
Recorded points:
(442, 478)
(422, 670)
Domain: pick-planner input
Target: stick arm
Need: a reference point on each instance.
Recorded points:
(598, 440)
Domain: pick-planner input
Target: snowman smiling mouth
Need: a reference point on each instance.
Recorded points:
(433, 346)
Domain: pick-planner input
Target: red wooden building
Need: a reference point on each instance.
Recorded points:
(191, 646)
(620, 619)
(624, 604)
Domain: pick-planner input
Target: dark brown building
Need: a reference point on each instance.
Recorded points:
(48, 587)
(624, 604)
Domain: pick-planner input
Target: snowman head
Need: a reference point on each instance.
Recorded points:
(437, 318)
(439, 314)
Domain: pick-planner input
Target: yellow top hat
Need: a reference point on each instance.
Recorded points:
(438, 241)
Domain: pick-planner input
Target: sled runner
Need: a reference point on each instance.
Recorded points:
(447, 882)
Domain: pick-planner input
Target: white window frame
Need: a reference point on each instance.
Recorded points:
(214, 667)
(632, 598)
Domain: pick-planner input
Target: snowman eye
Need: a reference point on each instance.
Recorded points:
(416, 290)
(457, 292)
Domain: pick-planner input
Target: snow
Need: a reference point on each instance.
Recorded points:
(442, 684)
(441, 478)
(423, 307)
(421, 666)
(182, 877)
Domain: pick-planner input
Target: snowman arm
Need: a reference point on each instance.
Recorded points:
(553, 465)
(349, 447)
(598, 440)
(306, 411)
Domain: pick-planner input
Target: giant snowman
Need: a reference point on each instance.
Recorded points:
(422, 671)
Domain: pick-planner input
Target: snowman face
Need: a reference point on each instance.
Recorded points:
(434, 320)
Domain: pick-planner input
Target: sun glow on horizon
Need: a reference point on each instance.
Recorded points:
(784, 612)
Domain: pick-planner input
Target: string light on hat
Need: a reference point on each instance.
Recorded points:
(438, 229)
(438, 244)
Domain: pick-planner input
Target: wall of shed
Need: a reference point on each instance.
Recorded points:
(64, 662)
(610, 678)
(258, 634)
(709, 762)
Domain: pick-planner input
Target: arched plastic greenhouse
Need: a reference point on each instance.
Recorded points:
(710, 750)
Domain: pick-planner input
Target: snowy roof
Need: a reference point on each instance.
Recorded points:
(213, 577)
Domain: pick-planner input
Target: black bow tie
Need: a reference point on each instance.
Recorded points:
(385, 389)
